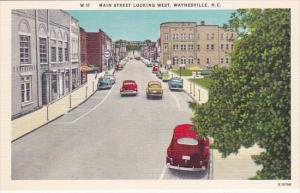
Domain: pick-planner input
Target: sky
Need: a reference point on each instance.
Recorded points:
(143, 24)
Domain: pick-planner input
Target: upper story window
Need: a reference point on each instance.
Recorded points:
(183, 60)
(175, 60)
(66, 48)
(207, 46)
(198, 47)
(166, 47)
(212, 36)
(190, 47)
(25, 55)
(212, 47)
(227, 46)
(53, 50)
(231, 46)
(191, 60)
(222, 36)
(182, 47)
(43, 51)
(222, 46)
(166, 36)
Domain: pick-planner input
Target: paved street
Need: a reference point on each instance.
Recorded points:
(108, 136)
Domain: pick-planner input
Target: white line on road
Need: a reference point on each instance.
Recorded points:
(83, 115)
(163, 172)
(177, 102)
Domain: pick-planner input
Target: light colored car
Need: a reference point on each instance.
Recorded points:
(176, 83)
(111, 77)
(154, 89)
(165, 76)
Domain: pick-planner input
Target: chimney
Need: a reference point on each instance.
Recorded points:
(202, 22)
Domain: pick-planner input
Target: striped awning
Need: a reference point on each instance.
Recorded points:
(85, 69)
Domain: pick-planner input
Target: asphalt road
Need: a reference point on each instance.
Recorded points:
(107, 137)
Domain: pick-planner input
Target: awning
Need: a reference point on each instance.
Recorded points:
(85, 69)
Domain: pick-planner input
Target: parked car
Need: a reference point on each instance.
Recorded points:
(154, 89)
(159, 74)
(188, 150)
(119, 66)
(166, 76)
(104, 83)
(94, 68)
(111, 76)
(175, 83)
(155, 69)
(129, 87)
(206, 72)
(149, 64)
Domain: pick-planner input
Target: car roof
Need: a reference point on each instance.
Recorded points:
(154, 82)
(128, 81)
(184, 130)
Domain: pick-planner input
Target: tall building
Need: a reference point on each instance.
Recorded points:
(189, 44)
(41, 64)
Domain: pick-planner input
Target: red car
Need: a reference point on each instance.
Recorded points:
(155, 69)
(187, 150)
(129, 87)
(119, 66)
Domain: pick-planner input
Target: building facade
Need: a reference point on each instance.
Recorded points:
(41, 64)
(83, 55)
(188, 44)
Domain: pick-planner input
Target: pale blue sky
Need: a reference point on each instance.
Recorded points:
(143, 24)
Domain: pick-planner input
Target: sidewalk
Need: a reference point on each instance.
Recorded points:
(50, 112)
(234, 167)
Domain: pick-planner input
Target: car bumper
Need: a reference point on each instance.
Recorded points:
(128, 92)
(176, 88)
(155, 94)
(203, 168)
(104, 87)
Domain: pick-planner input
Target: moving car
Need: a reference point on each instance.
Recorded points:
(149, 64)
(166, 76)
(129, 87)
(104, 83)
(187, 150)
(111, 76)
(155, 69)
(176, 83)
(154, 89)
(159, 74)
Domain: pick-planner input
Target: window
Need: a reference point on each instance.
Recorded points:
(198, 61)
(207, 60)
(54, 83)
(222, 36)
(166, 36)
(222, 60)
(207, 46)
(227, 60)
(191, 60)
(66, 51)
(212, 47)
(227, 47)
(166, 47)
(187, 141)
(25, 89)
(53, 51)
(60, 52)
(182, 47)
(43, 51)
(231, 46)
(183, 60)
(231, 36)
(177, 36)
(175, 60)
(191, 47)
(25, 49)
(67, 80)
(174, 47)
(226, 36)
(174, 37)
(212, 36)
(222, 46)
(198, 47)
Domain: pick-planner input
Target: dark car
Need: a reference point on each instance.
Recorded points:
(104, 83)
(187, 150)
(176, 83)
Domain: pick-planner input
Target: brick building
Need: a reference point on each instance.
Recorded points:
(195, 45)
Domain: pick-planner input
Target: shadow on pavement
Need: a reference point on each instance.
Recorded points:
(188, 174)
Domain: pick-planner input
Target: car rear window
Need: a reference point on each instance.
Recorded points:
(187, 141)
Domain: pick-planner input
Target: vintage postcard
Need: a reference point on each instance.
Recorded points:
(149, 95)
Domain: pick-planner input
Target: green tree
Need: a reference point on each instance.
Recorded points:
(249, 103)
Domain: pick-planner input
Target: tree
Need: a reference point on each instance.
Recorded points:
(249, 102)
